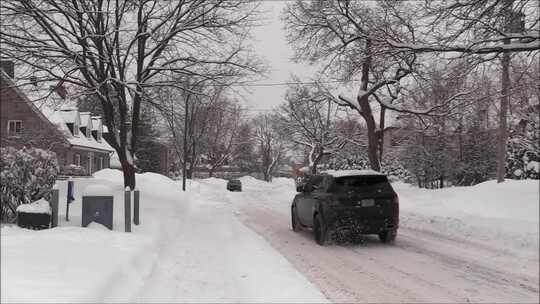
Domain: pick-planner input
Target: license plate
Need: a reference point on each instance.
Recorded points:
(367, 202)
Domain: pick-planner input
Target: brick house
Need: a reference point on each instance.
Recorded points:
(76, 137)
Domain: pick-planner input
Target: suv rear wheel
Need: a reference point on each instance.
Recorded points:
(388, 236)
(319, 230)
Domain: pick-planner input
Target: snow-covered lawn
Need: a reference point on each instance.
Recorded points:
(187, 248)
(211, 245)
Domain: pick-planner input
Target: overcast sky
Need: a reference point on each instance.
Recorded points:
(271, 45)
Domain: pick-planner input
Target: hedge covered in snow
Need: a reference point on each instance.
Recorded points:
(26, 175)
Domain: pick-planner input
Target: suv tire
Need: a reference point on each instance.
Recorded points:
(319, 231)
(294, 220)
(388, 236)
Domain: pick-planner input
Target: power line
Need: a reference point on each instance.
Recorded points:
(291, 83)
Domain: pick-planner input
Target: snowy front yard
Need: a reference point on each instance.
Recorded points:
(476, 244)
(187, 248)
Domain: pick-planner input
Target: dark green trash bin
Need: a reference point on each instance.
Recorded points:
(97, 209)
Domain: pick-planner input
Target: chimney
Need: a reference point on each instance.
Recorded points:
(9, 67)
(59, 89)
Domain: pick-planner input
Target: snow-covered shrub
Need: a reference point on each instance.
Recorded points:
(26, 175)
(523, 148)
(74, 170)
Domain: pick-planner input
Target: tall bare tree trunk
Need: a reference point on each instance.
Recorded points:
(381, 133)
(363, 101)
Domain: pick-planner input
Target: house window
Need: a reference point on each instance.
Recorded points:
(89, 163)
(14, 127)
(77, 159)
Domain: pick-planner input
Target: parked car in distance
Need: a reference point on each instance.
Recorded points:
(234, 185)
(348, 202)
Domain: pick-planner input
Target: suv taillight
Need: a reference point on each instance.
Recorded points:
(395, 200)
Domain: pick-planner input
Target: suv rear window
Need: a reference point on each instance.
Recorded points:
(361, 183)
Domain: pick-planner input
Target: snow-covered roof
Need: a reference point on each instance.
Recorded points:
(90, 142)
(60, 113)
(70, 115)
(342, 173)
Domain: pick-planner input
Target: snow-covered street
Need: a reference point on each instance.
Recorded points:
(435, 259)
(211, 245)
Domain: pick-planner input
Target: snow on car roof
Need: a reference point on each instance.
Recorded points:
(342, 173)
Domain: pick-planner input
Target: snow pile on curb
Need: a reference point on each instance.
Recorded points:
(505, 215)
(513, 199)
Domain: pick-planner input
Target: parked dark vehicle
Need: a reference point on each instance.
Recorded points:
(349, 202)
(234, 185)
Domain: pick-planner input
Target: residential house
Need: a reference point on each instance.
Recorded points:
(76, 137)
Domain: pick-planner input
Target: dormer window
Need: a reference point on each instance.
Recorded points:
(97, 135)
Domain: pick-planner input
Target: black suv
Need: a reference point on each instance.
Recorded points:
(346, 203)
(234, 185)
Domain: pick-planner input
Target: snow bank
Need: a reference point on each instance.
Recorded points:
(504, 215)
(67, 264)
(514, 199)
(250, 181)
(39, 206)
(189, 247)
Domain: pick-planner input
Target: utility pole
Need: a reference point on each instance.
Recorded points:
(512, 24)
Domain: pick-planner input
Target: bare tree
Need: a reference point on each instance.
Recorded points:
(382, 41)
(485, 29)
(118, 49)
(186, 113)
(308, 119)
(348, 37)
(270, 143)
(223, 123)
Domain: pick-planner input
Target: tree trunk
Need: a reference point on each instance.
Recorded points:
(373, 143)
(367, 114)
(316, 162)
(128, 171)
(381, 133)
(193, 162)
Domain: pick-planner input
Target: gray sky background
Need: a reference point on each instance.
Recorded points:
(270, 43)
